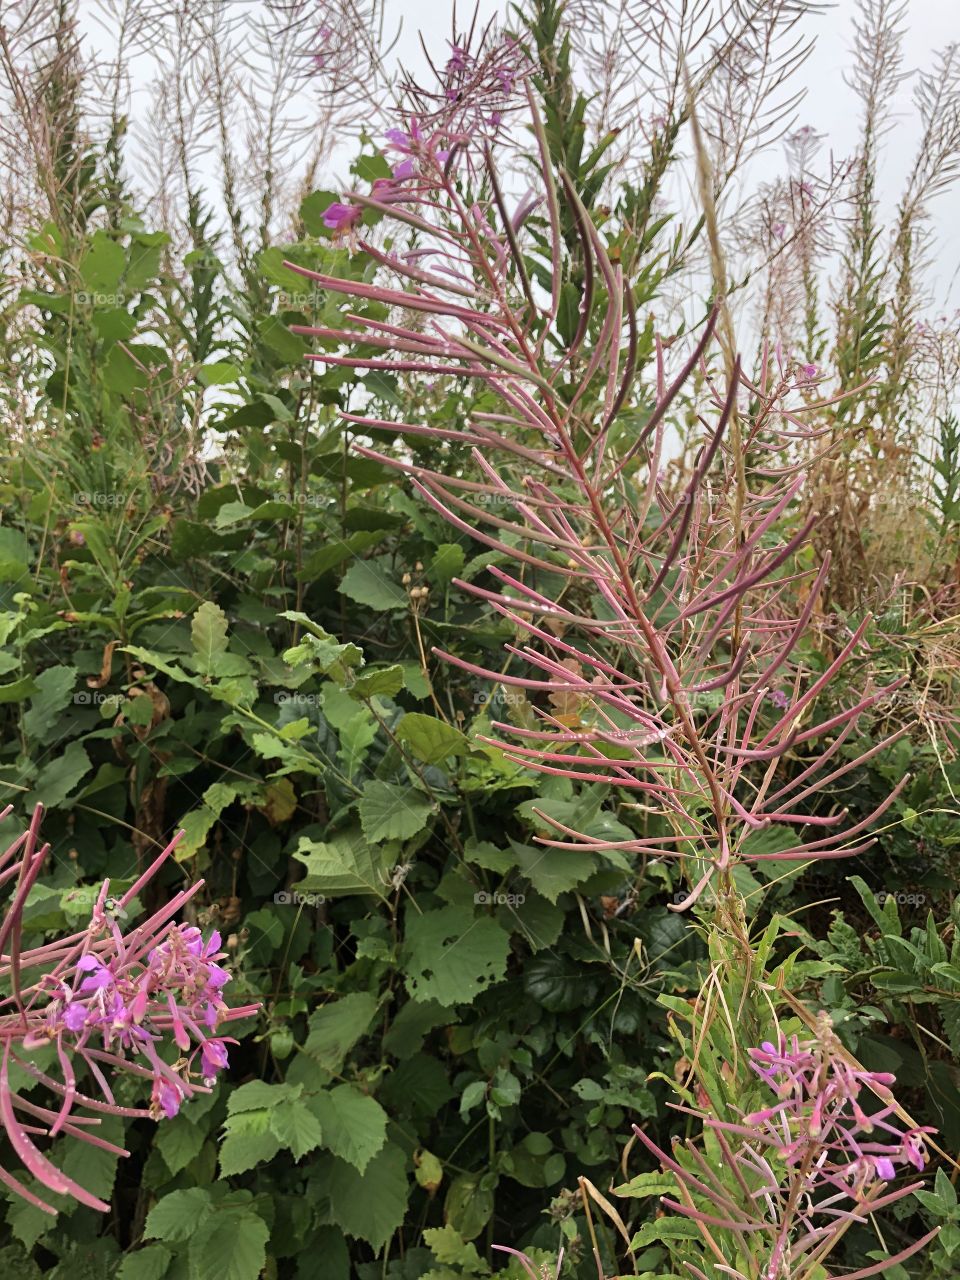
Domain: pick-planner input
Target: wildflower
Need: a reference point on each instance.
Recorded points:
(779, 699)
(340, 217)
(213, 1057)
(164, 1098)
(779, 229)
(406, 141)
(808, 371)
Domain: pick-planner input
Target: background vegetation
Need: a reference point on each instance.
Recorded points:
(218, 616)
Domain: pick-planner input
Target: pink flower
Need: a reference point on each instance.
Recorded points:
(341, 217)
(164, 1097)
(213, 1057)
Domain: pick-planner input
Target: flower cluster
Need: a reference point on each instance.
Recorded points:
(111, 1003)
(818, 1123)
(467, 109)
(804, 1168)
(131, 1009)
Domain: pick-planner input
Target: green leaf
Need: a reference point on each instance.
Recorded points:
(447, 563)
(242, 1151)
(377, 588)
(337, 1026)
(296, 1127)
(552, 875)
(257, 1095)
(178, 1141)
(453, 956)
(60, 777)
(468, 1206)
(218, 373)
(321, 650)
(336, 551)
(178, 1215)
(149, 1263)
(447, 1245)
(648, 1184)
(354, 1124)
(208, 632)
(344, 865)
(230, 1245)
(371, 1205)
(102, 266)
(430, 739)
(54, 690)
(386, 681)
(391, 812)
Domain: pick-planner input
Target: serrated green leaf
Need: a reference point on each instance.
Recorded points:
(430, 739)
(296, 1127)
(178, 1215)
(391, 812)
(230, 1245)
(344, 865)
(54, 689)
(371, 1205)
(242, 1151)
(354, 1125)
(377, 587)
(337, 1026)
(452, 956)
(149, 1263)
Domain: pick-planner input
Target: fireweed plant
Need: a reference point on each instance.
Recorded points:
(781, 1185)
(656, 647)
(111, 1003)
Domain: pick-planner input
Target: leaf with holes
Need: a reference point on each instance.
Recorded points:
(452, 956)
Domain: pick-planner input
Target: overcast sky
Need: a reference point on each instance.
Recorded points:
(830, 106)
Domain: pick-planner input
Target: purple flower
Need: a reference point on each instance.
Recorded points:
(401, 140)
(213, 1057)
(781, 701)
(341, 217)
(100, 975)
(779, 229)
(165, 1097)
(809, 371)
(74, 1016)
(403, 170)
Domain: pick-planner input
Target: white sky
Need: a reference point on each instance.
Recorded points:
(830, 106)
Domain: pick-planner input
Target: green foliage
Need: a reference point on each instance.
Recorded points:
(457, 1022)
